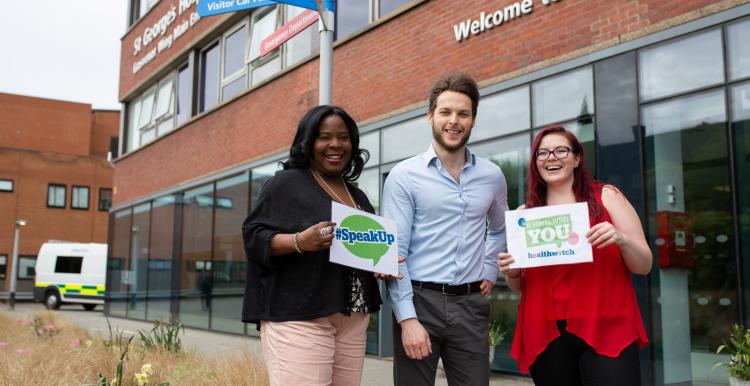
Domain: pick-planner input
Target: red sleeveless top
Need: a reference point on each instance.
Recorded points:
(601, 309)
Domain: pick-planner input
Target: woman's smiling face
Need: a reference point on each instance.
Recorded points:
(558, 165)
(332, 149)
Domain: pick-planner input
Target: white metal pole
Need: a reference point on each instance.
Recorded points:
(325, 27)
(14, 269)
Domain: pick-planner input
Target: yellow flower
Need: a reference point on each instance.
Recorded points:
(88, 343)
(113, 382)
(141, 379)
(147, 369)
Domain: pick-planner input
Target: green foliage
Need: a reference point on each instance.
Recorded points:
(738, 349)
(116, 338)
(497, 333)
(164, 335)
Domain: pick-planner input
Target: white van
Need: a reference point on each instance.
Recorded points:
(70, 273)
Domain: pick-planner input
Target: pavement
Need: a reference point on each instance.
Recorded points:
(377, 371)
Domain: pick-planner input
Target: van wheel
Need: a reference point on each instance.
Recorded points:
(89, 307)
(52, 300)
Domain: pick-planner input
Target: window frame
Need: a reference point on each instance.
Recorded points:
(226, 79)
(18, 271)
(253, 64)
(65, 195)
(202, 108)
(4, 265)
(75, 188)
(99, 205)
(12, 185)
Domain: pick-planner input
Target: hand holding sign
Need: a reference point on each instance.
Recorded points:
(363, 240)
(548, 235)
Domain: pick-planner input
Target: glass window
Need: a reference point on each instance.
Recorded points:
(56, 195)
(160, 258)
(369, 182)
(304, 44)
(68, 264)
(118, 276)
(266, 70)
(146, 5)
(234, 51)
(738, 51)
(681, 65)
(164, 101)
(134, 137)
(105, 199)
(233, 78)
(209, 78)
(512, 156)
(690, 229)
(6, 185)
(139, 251)
(79, 197)
(351, 16)
(406, 139)
(563, 97)
(196, 263)
(233, 88)
(3, 266)
(740, 107)
(26, 266)
(388, 6)
(147, 108)
(263, 26)
(502, 113)
(184, 93)
(371, 143)
(225, 286)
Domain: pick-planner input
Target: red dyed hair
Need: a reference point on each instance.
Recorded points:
(583, 182)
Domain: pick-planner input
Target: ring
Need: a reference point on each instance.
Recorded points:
(326, 231)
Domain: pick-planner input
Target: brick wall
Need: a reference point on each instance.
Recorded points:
(387, 69)
(45, 141)
(44, 124)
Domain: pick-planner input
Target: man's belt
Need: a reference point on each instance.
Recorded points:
(449, 289)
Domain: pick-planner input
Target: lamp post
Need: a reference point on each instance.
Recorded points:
(14, 271)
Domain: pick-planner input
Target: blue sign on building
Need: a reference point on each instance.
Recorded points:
(215, 7)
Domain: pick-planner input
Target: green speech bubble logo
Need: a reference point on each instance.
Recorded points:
(364, 237)
(548, 230)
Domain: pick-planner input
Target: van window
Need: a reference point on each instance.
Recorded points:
(68, 264)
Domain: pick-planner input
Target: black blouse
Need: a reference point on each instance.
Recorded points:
(297, 286)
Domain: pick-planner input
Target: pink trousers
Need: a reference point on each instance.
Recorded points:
(323, 351)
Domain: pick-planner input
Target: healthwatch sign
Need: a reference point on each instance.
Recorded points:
(548, 235)
(363, 240)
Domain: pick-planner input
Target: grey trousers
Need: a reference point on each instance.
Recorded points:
(458, 332)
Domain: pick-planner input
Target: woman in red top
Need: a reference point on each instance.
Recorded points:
(580, 324)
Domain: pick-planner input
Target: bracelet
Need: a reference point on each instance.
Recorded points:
(296, 245)
(514, 277)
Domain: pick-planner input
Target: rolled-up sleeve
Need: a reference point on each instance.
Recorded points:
(398, 206)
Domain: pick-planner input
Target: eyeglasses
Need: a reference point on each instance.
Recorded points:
(560, 152)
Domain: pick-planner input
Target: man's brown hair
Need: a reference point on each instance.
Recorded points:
(457, 82)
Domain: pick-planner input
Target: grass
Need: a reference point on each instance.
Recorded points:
(47, 349)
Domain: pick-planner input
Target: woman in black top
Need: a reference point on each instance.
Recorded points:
(312, 313)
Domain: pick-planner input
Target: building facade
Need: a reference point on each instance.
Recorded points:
(55, 174)
(657, 91)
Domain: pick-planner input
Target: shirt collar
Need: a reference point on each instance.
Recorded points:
(430, 156)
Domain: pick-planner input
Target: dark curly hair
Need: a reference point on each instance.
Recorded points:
(308, 129)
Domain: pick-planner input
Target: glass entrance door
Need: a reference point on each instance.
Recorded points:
(690, 229)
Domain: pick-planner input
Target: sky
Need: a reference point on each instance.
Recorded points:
(68, 50)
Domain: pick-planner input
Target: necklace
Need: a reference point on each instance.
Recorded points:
(333, 192)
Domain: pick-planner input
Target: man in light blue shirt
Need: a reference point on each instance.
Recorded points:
(449, 207)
